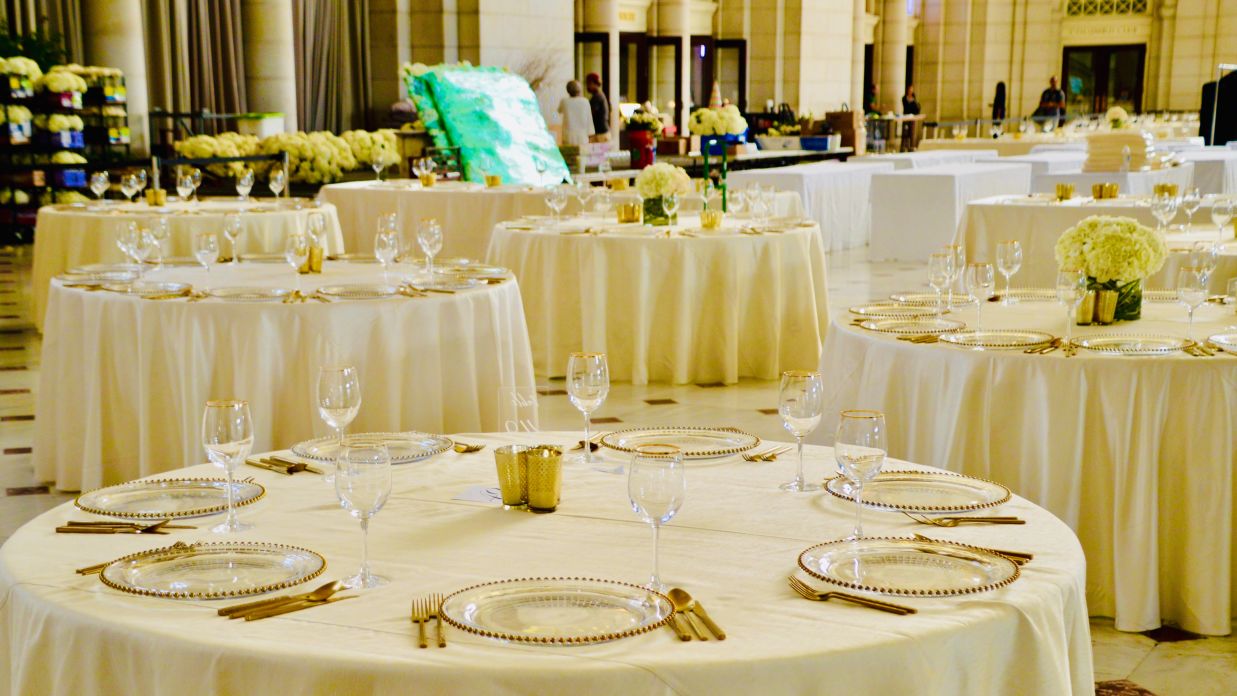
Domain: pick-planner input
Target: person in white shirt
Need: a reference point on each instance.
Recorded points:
(577, 116)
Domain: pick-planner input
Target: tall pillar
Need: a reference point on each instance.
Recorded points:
(893, 55)
(389, 48)
(270, 57)
(112, 33)
(858, 29)
(1168, 28)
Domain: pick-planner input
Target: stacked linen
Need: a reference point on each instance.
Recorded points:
(1106, 151)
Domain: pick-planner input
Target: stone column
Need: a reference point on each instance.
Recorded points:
(112, 33)
(857, 44)
(893, 55)
(389, 48)
(270, 58)
(1168, 29)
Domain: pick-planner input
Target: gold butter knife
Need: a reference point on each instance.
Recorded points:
(269, 467)
(290, 607)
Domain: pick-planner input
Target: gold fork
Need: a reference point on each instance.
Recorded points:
(465, 448)
(767, 455)
(808, 592)
(954, 521)
(421, 614)
(435, 606)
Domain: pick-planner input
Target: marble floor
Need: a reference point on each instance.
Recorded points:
(1164, 662)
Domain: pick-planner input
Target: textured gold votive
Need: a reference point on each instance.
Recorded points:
(629, 212)
(512, 462)
(1097, 191)
(156, 197)
(545, 477)
(711, 219)
(1085, 314)
(428, 179)
(493, 180)
(1065, 192)
(1112, 190)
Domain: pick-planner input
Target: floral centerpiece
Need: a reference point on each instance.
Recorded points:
(1117, 118)
(1117, 254)
(726, 120)
(368, 146)
(654, 183)
(60, 80)
(642, 120)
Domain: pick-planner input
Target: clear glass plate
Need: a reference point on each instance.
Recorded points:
(1226, 342)
(97, 277)
(362, 291)
(557, 611)
(997, 339)
(890, 310)
(143, 288)
(168, 498)
(90, 268)
(1131, 344)
(403, 447)
(1033, 294)
(477, 271)
(1160, 295)
(263, 258)
(213, 570)
(249, 294)
(929, 298)
(908, 567)
(451, 282)
(923, 491)
(918, 327)
(695, 443)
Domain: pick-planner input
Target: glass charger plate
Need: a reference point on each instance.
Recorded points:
(929, 298)
(403, 447)
(1033, 294)
(97, 277)
(1160, 295)
(361, 291)
(213, 570)
(1132, 344)
(913, 326)
(263, 258)
(1226, 342)
(168, 498)
(147, 288)
(450, 282)
(556, 611)
(249, 294)
(477, 271)
(997, 339)
(923, 491)
(890, 310)
(908, 567)
(695, 443)
(89, 268)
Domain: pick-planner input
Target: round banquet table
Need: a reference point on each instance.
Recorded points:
(124, 379)
(707, 308)
(68, 236)
(1135, 453)
(732, 545)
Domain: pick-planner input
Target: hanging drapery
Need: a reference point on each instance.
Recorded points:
(332, 64)
(62, 17)
(195, 57)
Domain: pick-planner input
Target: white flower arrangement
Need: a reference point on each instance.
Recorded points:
(59, 80)
(20, 65)
(222, 145)
(314, 158)
(1111, 249)
(17, 196)
(663, 179)
(58, 123)
(643, 120)
(66, 157)
(16, 114)
(724, 121)
(367, 145)
(1116, 117)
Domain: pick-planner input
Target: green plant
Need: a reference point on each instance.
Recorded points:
(43, 46)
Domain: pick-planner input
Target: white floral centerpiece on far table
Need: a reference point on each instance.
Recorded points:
(1117, 254)
(654, 183)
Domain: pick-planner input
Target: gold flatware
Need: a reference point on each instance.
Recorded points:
(289, 607)
(1018, 557)
(435, 601)
(98, 567)
(681, 607)
(465, 448)
(319, 594)
(160, 524)
(767, 455)
(166, 296)
(808, 592)
(420, 614)
(920, 338)
(955, 520)
(269, 467)
(291, 465)
(680, 596)
(1044, 348)
(156, 528)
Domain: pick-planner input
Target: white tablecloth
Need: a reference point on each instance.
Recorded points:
(835, 195)
(927, 158)
(1215, 169)
(1004, 145)
(732, 546)
(70, 236)
(1133, 183)
(711, 308)
(1136, 454)
(123, 380)
(917, 211)
(1056, 162)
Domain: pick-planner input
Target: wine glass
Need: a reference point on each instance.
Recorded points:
(277, 180)
(1008, 261)
(588, 384)
(296, 253)
(980, 283)
(656, 487)
(184, 186)
(379, 160)
(227, 435)
(959, 268)
(556, 200)
(670, 204)
(99, 184)
(940, 270)
(1221, 214)
(160, 232)
(232, 231)
(315, 227)
(800, 401)
(386, 247)
(244, 183)
(1204, 256)
(1071, 288)
(1191, 292)
(195, 178)
(583, 191)
(127, 240)
(339, 397)
(602, 201)
(144, 247)
(363, 484)
(128, 186)
(141, 180)
(1190, 203)
(429, 237)
(859, 447)
(1164, 208)
(206, 248)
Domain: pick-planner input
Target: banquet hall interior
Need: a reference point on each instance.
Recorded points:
(601, 346)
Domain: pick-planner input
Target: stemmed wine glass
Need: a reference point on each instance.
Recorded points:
(379, 160)
(800, 402)
(859, 447)
(227, 435)
(656, 488)
(141, 180)
(588, 384)
(583, 191)
(386, 245)
(1164, 208)
(429, 237)
(339, 398)
(1221, 214)
(1008, 261)
(1191, 292)
(244, 184)
(959, 267)
(980, 283)
(195, 178)
(128, 186)
(296, 253)
(184, 186)
(940, 270)
(277, 181)
(602, 201)
(1205, 256)
(232, 231)
(160, 232)
(99, 184)
(670, 204)
(206, 248)
(1071, 288)
(127, 242)
(1190, 203)
(556, 199)
(363, 484)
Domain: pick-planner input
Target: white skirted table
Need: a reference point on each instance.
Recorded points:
(732, 546)
(1135, 453)
(1055, 162)
(928, 158)
(1140, 183)
(1004, 145)
(124, 379)
(835, 195)
(1215, 169)
(711, 307)
(68, 236)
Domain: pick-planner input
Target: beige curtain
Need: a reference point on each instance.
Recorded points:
(62, 17)
(332, 64)
(195, 56)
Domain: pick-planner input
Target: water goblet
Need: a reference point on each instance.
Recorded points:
(957, 270)
(244, 183)
(1071, 289)
(363, 484)
(227, 435)
(296, 253)
(1190, 203)
(588, 384)
(1205, 256)
(338, 397)
(160, 232)
(859, 447)
(980, 283)
(656, 486)
(800, 403)
(1164, 208)
(128, 186)
(127, 240)
(277, 181)
(184, 186)
(583, 191)
(1008, 261)
(429, 238)
(556, 200)
(1221, 214)
(195, 178)
(940, 270)
(670, 204)
(232, 231)
(602, 202)
(386, 248)
(141, 180)
(206, 248)
(99, 184)
(1191, 292)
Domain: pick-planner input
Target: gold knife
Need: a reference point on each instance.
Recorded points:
(678, 629)
(268, 467)
(290, 607)
(699, 611)
(282, 461)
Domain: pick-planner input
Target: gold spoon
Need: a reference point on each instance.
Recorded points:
(680, 597)
(682, 605)
(320, 594)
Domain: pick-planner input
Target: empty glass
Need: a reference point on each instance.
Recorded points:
(206, 248)
(1008, 261)
(556, 200)
(1221, 214)
(429, 238)
(940, 270)
(184, 186)
(160, 232)
(583, 191)
(1191, 292)
(980, 283)
(386, 248)
(195, 178)
(602, 202)
(296, 253)
(99, 184)
(380, 160)
(128, 186)
(800, 402)
(338, 396)
(958, 251)
(277, 181)
(232, 231)
(656, 487)
(363, 484)
(670, 204)
(227, 435)
(1164, 208)
(127, 240)
(1204, 256)
(141, 180)
(1071, 288)
(859, 447)
(588, 384)
(1190, 203)
(244, 183)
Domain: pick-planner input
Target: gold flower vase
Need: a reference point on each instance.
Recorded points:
(1109, 302)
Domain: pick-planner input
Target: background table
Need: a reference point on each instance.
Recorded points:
(928, 158)
(1134, 183)
(1136, 454)
(834, 194)
(711, 308)
(732, 546)
(68, 236)
(124, 380)
(1215, 169)
(917, 211)
(1053, 162)
(1004, 145)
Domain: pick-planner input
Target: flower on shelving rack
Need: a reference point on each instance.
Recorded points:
(222, 145)
(59, 80)
(366, 144)
(15, 113)
(66, 157)
(17, 196)
(315, 158)
(21, 65)
(1111, 249)
(57, 123)
(663, 179)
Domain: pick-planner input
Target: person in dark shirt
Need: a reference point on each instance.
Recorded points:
(1052, 102)
(601, 108)
(910, 105)
(998, 103)
(869, 100)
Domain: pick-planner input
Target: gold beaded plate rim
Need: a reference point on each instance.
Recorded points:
(561, 640)
(930, 299)
(1180, 344)
(1031, 338)
(195, 512)
(904, 592)
(912, 326)
(894, 310)
(441, 443)
(206, 548)
(923, 508)
(681, 430)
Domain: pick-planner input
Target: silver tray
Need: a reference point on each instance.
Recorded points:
(997, 339)
(142, 288)
(695, 443)
(556, 611)
(249, 294)
(908, 567)
(1226, 342)
(360, 291)
(403, 447)
(892, 310)
(918, 327)
(213, 570)
(1133, 344)
(923, 491)
(929, 299)
(168, 498)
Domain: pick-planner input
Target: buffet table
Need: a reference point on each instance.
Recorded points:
(732, 546)
(1135, 453)
(928, 158)
(1215, 169)
(1140, 183)
(711, 307)
(124, 379)
(74, 235)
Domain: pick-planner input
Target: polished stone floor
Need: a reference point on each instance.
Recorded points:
(1166, 663)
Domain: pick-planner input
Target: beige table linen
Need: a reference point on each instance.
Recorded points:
(732, 546)
(927, 158)
(68, 236)
(1004, 145)
(1054, 162)
(124, 379)
(1133, 183)
(1215, 169)
(1136, 454)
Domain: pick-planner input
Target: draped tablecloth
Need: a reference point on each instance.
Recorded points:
(1004, 145)
(732, 546)
(835, 195)
(1215, 169)
(928, 158)
(1055, 162)
(1136, 454)
(124, 380)
(68, 236)
(917, 211)
(1134, 183)
(710, 308)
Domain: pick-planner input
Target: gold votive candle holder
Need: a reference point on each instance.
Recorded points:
(1112, 190)
(512, 463)
(711, 219)
(1097, 191)
(493, 180)
(428, 179)
(156, 197)
(617, 184)
(1065, 192)
(545, 477)
(629, 212)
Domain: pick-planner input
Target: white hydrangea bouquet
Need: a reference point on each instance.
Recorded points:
(654, 183)
(59, 79)
(1117, 254)
(1117, 118)
(724, 121)
(368, 147)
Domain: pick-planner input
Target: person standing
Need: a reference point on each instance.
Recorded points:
(577, 115)
(910, 105)
(998, 103)
(600, 107)
(1052, 102)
